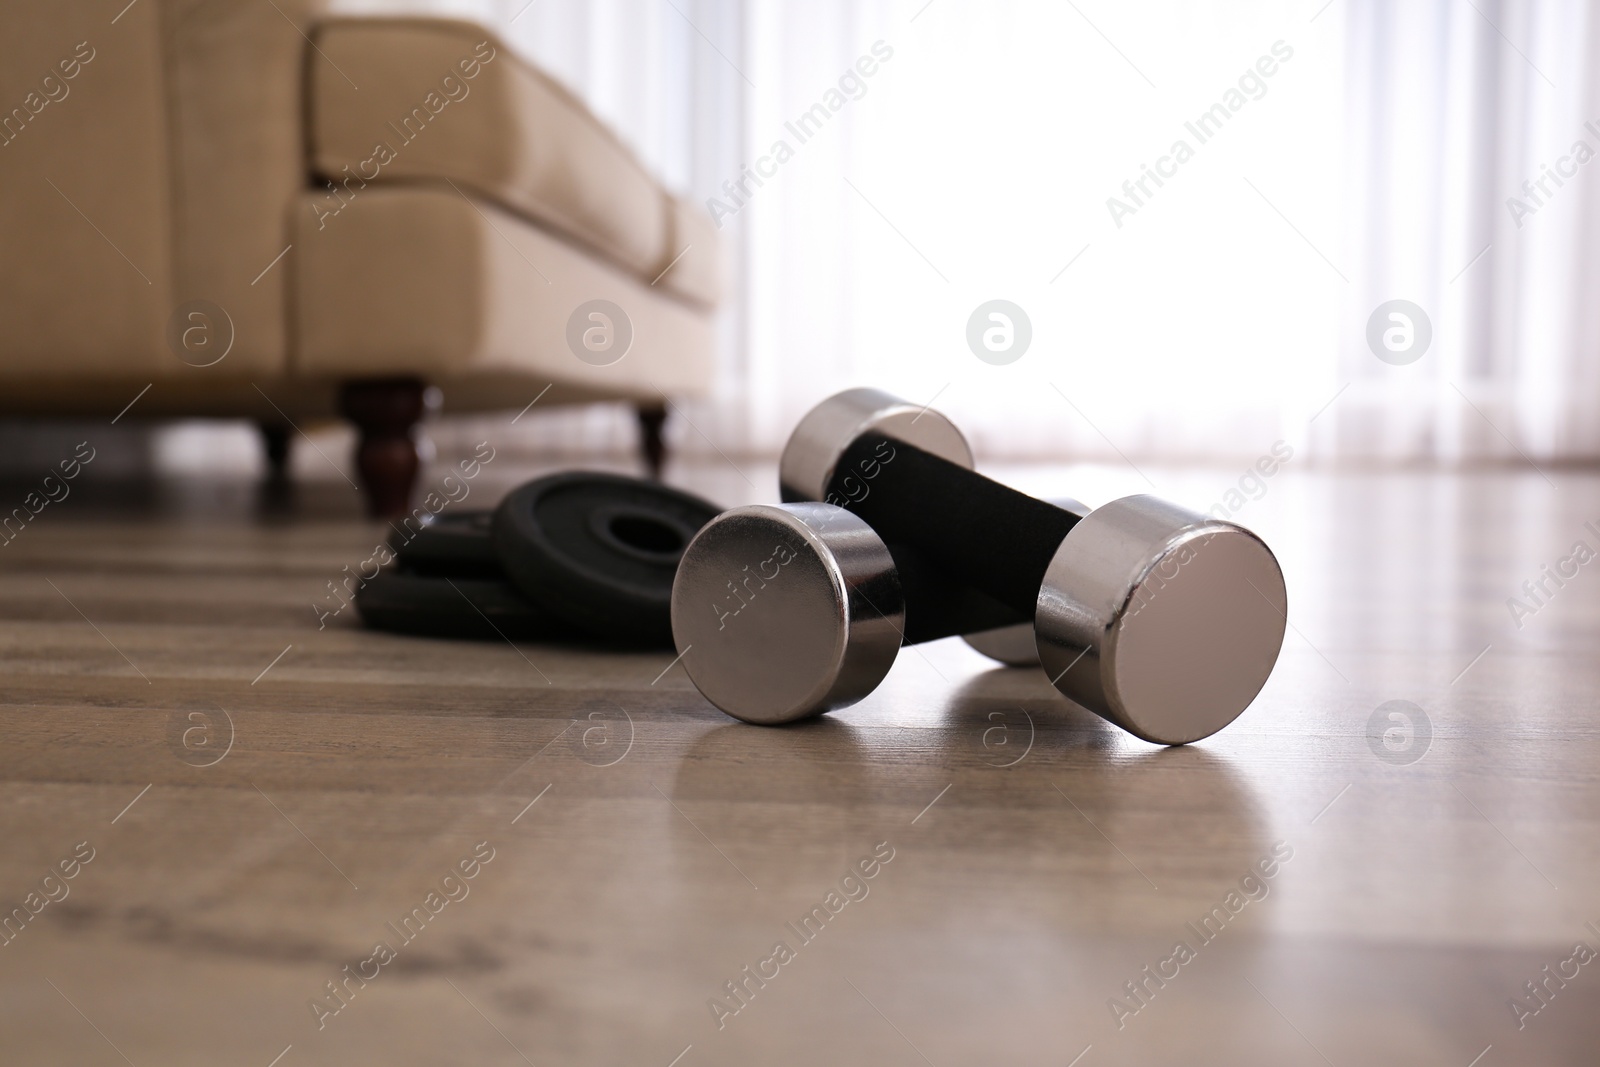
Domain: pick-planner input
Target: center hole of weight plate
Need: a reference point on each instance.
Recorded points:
(645, 534)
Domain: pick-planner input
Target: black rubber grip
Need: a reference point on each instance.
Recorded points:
(970, 530)
(936, 608)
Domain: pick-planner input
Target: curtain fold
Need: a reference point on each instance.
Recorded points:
(1459, 119)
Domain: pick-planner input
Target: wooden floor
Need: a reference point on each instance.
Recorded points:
(266, 802)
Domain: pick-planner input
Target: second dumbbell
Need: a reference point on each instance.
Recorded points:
(1162, 620)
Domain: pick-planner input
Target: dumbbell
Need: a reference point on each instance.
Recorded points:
(1161, 620)
(1014, 645)
(782, 612)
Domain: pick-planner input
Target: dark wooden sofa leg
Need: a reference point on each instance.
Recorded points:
(385, 411)
(652, 443)
(275, 443)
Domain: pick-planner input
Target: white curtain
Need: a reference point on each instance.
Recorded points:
(1452, 107)
(979, 166)
(1364, 152)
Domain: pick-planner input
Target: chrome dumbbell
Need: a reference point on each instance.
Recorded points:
(1161, 620)
(1014, 645)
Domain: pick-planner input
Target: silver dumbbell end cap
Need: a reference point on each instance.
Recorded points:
(820, 438)
(1162, 620)
(785, 612)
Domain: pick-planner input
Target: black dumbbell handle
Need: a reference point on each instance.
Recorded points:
(969, 530)
(936, 607)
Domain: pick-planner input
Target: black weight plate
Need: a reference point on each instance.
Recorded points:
(435, 606)
(459, 544)
(599, 550)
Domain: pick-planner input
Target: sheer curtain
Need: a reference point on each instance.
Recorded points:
(1231, 307)
(1452, 107)
(1188, 318)
(1338, 155)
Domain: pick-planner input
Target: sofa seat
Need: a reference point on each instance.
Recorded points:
(421, 280)
(408, 101)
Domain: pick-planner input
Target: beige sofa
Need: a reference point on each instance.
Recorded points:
(256, 211)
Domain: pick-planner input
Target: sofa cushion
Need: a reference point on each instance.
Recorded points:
(409, 99)
(693, 268)
(418, 280)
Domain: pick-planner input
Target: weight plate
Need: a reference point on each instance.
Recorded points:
(455, 543)
(599, 551)
(436, 606)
